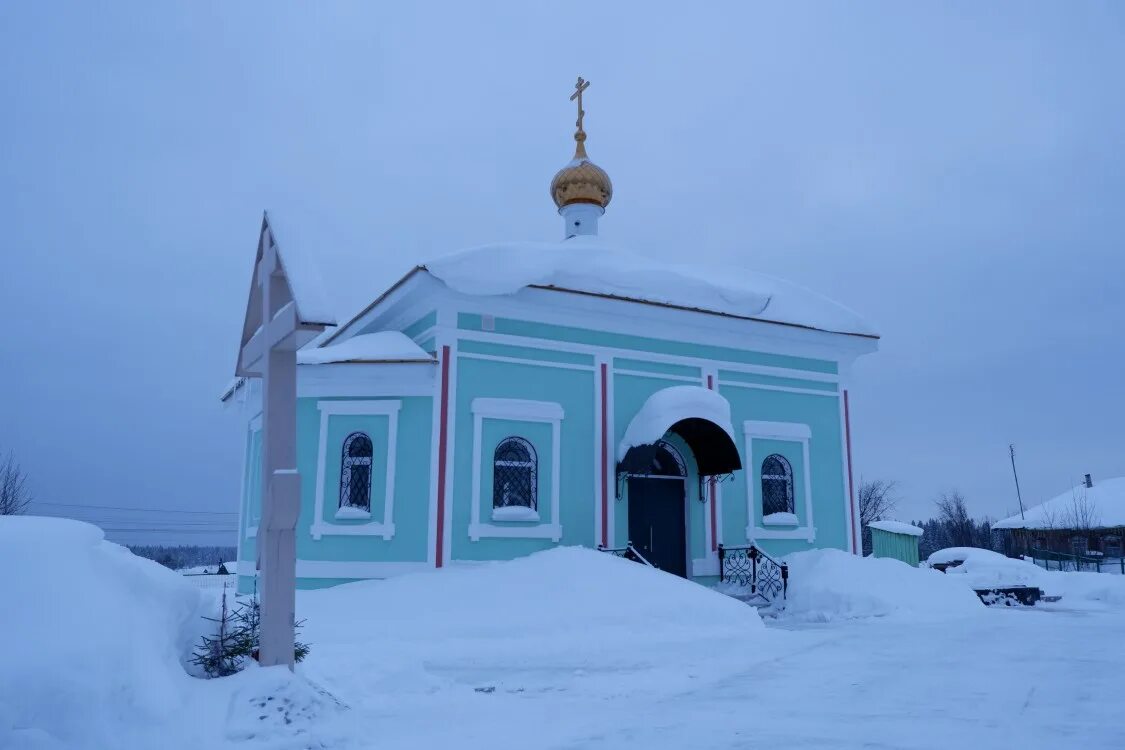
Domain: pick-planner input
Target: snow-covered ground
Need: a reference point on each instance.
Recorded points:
(567, 649)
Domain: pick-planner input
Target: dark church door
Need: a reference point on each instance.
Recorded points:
(657, 527)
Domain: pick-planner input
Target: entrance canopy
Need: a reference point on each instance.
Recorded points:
(698, 415)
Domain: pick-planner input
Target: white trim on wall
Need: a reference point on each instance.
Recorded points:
(383, 408)
(642, 355)
(344, 568)
(794, 432)
(526, 361)
(519, 410)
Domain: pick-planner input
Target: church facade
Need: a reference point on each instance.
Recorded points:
(509, 398)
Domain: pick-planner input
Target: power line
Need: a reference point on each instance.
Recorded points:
(141, 521)
(143, 510)
(170, 531)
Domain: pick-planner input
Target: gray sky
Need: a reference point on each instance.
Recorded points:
(953, 171)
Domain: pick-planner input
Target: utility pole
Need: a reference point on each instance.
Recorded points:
(1012, 452)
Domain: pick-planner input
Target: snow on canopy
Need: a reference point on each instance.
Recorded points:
(586, 264)
(384, 346)
(298, 258)
(1100, 506)
(668, 406)
(896, 527)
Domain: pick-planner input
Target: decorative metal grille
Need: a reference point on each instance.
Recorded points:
(514, 470)
(749, 566)
(667, 461)
(777, 485)
(629, 552)
(355, 472)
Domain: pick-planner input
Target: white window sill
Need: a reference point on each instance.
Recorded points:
(350, 513)
(385, 530)
(552, 531)
(807, 533)
(781, 519)
(515, 513)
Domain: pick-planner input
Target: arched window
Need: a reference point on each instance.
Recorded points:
(514, 469)
(777, 485)
(355, 472)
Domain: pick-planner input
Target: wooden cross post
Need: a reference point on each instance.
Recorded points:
(272, 332)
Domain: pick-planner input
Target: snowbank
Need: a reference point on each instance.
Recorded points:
(896, 527)
(563, 614)
(94, 637)
(384, 346)
(588, 264)
(983, 569)
(830, 584)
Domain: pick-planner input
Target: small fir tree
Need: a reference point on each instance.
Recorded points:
(249, 619)
(221, 654)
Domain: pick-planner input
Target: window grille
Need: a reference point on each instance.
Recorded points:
(514, 470)
(355, 472)
(777, 485)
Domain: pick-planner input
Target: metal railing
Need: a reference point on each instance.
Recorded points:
(751, 567)
(629, 552)
(1065, 561)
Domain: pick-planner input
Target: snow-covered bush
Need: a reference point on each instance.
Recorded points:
(828, 584)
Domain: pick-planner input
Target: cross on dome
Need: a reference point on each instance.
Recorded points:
(581, 189)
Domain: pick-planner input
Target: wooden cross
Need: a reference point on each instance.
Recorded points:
(579, 87)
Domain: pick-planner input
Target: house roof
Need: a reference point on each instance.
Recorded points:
(1100, 506)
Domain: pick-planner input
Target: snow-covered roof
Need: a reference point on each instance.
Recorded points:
(1100, 506)
(667, 407)
(384, 346)
(588, 265)
(896, 527)
(298, 258)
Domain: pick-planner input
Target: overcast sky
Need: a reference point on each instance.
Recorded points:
(952, 171)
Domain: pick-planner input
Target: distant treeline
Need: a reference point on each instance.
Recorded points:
(184, 555)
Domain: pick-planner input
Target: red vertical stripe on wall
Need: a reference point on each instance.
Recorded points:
(605, 454)
(443, 441)
(851, 485)
(711, 489)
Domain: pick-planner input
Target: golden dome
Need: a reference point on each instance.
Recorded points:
(581, 181)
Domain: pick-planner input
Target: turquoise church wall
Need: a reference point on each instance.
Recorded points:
(515, 359)
(573, 391)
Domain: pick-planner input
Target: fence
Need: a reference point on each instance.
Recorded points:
(1063, 561)
(211, 581)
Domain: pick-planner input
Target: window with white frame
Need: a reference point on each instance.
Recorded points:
(355, 472)
(777, 485)
(514, 470)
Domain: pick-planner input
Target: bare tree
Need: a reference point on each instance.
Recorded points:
(877, 500)
(1082, 513)
(15, 495)
(959, 528)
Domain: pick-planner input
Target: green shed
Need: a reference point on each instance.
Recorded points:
(895, 539)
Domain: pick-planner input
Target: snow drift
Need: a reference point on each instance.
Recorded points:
(829, 584)
(95, 637)
(983, 569)
(551, 616)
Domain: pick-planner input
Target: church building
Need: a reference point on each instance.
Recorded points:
(508, 398)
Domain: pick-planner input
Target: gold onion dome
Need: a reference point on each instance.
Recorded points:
(581, 181)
